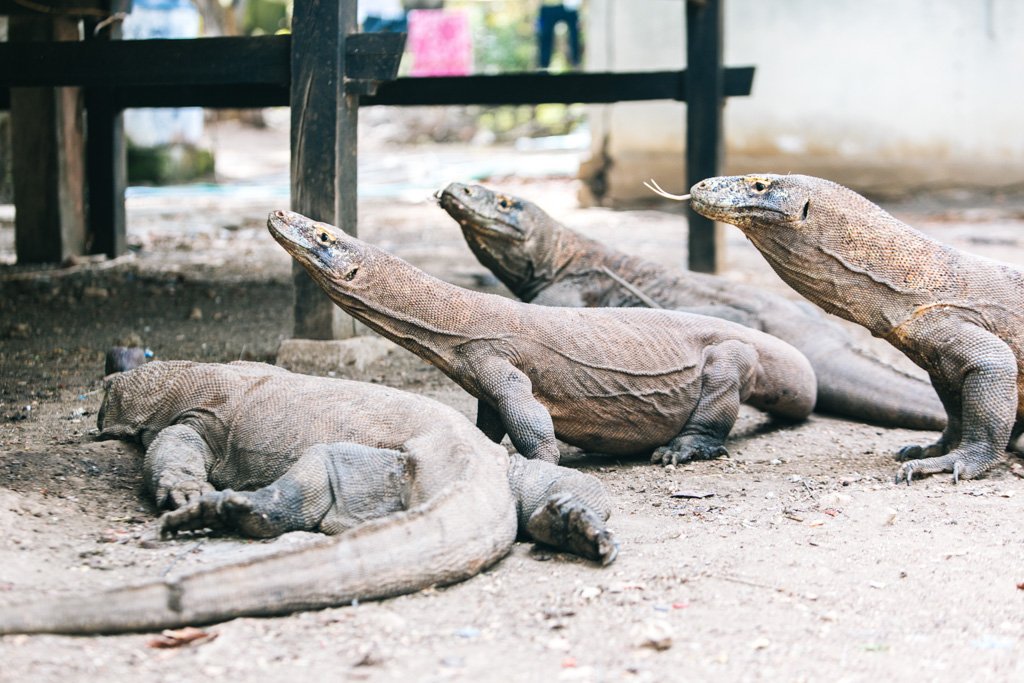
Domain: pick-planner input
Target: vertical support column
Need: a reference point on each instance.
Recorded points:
(323, 141)
(704, 96)
(105, 156)
(47, 144)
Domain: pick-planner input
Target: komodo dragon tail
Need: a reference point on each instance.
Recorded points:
(452, 536)
(859, 385)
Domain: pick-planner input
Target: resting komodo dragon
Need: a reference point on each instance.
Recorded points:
(546, 263)
(958, 316)
(414, 494)
(610, 380)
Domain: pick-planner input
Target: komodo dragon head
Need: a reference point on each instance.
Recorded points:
(330, 256)
(512, 237)
(754, 201)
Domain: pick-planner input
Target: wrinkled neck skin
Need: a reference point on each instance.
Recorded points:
(419, 312)
(845, 257)
(526, 266)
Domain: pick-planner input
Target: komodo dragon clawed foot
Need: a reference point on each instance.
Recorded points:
(964, 463)
(566, 524)
(182, 493)
(689, 447)
(217, 510)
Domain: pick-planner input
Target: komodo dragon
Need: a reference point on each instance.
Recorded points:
(544, 262)
(415, 494)
(958, 316)
(611, 380)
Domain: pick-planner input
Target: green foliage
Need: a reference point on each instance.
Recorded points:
(168, 164)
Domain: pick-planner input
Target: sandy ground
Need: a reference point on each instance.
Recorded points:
(804, 561)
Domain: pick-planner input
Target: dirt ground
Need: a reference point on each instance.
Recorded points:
(804, 561)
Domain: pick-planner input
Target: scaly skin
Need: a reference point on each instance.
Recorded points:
(413, 494)
(958, 316)
(544, 262)
(619, 381)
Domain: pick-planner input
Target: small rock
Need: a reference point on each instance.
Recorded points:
(558, 645)
(19, 331)
(833, 501)
(195, 314)
(589, 592)
(95, 293)
(761, 644)
(774, 461)
(468, 632)
(655, 634)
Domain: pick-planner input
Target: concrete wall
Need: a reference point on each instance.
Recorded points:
(885, 96)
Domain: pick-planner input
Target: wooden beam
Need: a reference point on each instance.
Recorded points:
(260, 60)
(323, 143)
(541, 88)
(512, 88)
(106, 161)
(47, 144)
(67, 8)
(705, 88)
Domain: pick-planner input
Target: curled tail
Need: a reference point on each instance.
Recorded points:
(854, 384)
(467, 526)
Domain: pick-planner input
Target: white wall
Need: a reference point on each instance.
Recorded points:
(882, 94)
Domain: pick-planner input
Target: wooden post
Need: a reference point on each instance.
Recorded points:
(323, 140)
(47, 144)
(704, 97)
(105, 156)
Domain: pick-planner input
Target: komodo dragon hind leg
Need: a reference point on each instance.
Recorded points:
(726, 378)
(562, 508)
(565, 523)
(975, 374)
(331, 487)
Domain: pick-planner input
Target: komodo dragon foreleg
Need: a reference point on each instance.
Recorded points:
(726, 382)
(330, 488)
(508, 393)
(975, 375)
(175, 466)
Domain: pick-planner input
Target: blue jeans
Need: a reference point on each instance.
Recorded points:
(550, 16)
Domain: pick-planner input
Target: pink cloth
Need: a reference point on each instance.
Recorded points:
(440, 43)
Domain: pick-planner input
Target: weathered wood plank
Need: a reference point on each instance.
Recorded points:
(705, 87)
(47, 144)
(323, 141)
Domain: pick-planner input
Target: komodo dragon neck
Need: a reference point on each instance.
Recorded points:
(427, 316)
(835, 247)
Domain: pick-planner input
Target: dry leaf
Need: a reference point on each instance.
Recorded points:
(180, 637)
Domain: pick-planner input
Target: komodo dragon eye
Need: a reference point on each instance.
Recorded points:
(324, 237)
(504, 204)
(760, 187)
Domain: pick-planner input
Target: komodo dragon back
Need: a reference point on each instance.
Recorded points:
(958, 316)
(545, 262)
